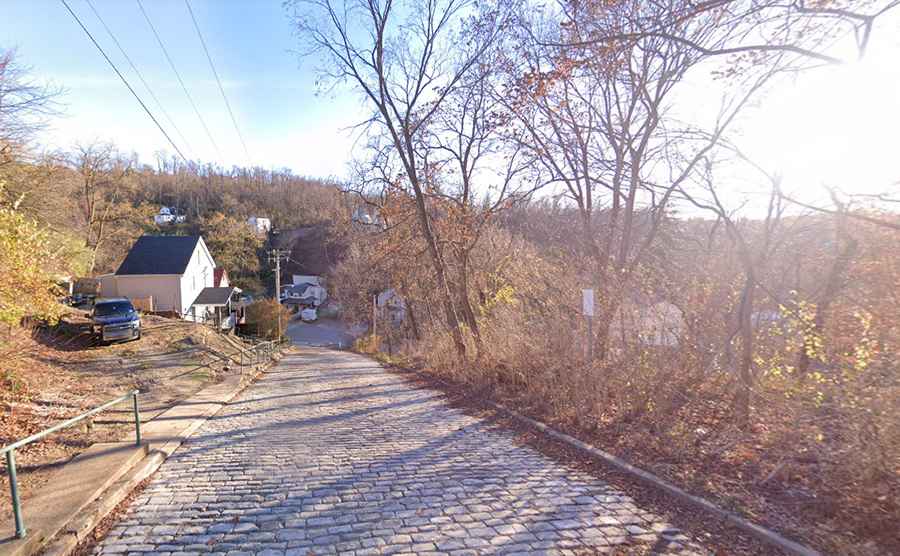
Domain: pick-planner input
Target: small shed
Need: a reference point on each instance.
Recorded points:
(215, 306)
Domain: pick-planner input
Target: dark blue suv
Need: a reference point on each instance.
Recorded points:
(115, 319)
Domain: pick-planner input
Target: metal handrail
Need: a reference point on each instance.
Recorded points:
(265, 349)
(10, 450)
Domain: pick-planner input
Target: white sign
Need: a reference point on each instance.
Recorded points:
(587, 302)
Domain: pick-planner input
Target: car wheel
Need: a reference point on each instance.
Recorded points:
(138, 337)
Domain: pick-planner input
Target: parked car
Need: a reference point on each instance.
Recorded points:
(115, 319)
(308, 314)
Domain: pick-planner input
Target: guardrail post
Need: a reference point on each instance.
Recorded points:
(14, 492)
(137, 419)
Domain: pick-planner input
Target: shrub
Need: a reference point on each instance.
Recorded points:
(262, 318)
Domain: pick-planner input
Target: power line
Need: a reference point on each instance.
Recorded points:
(140, 76)
(216, 74)
(125, 81)
(180, 81)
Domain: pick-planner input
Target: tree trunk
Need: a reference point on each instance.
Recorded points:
(745, 364)
(603, 327)
(832, 287)
(440, 271)
(414, 323)
(467, 312)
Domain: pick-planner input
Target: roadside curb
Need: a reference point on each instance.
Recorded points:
(757, 531)
(62, 539)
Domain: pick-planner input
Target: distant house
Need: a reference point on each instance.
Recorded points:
(363, 219)
(305, 295)
(392, 303)
(657, 323)
(173, 270)
(766, 318)
(295, 295)
(260, 225)
(168, 215)
(220, 278)
(361, 216)
(298, 279)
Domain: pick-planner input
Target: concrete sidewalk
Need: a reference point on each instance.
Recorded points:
(77, 496)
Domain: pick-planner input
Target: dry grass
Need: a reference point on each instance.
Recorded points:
(48, 377)
(823, 469)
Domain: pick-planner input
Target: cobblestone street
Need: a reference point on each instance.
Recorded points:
(328, 453)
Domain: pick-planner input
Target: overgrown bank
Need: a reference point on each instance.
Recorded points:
(816, 456)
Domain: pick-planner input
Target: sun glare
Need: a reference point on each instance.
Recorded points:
(834, 127)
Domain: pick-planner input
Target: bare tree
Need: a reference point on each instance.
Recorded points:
(405, 59)
(479, 170)
(24, 105)
(845, 250)
(101, 173)
(755, 246)
(596, 122)
(750, 32)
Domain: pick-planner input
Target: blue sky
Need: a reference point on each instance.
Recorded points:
(836, 126)
(284, 122)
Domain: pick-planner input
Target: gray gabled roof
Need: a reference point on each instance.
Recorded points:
(214, 296)
(297, 289)
(159, 255)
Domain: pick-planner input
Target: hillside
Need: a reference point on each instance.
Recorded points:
(54, 376)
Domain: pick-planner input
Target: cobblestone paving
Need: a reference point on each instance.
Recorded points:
(330, 454)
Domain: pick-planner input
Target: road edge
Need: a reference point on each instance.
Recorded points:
(758, 532)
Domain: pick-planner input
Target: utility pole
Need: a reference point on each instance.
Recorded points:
(276, 256)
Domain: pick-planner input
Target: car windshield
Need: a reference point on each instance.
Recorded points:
(112, 308)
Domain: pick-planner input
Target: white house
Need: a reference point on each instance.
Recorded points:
(260, 225)
(173, 270)
(304, 294)
(392, 304)
(168, 216)
(363, 219)
(654, 324)
(220, 278)
(361, 216)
